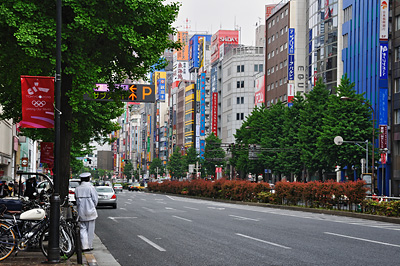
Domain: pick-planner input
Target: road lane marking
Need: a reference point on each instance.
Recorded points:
(243, 218)
(160, 202)
(122, 209)
(216, 208)
(363, 239)
(151, 243)
(177, 217)
(117, 218)
(148, 209)
(190, 208)
(169, 208)
(263, 241)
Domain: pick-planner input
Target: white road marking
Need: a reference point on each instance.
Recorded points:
(181, 218)
(151, 243)
(122, 209)
(148, 209)
(363, 239)
(190, 208)
(160, 202)
(117, 218)
(243, 218)
(169, 208)
(263, 241)
(216, 208)
(158, 199)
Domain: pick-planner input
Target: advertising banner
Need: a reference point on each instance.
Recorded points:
(160, 79)
(291, 67)
(291, 41)
(384, 20)
(201, 52)
(383, 60)
(182, 55)
(383, 106)
(259, 96)
(202, 111)
(214, 125)
(220, 37)
(290, 93)
(214, 74)
(383, 134)
(268, 10)
(194, 50)
(47, 153)
(180, 71)
(37, 102)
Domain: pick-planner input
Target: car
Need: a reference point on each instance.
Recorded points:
(73, 184)
(107, 196)
(135, 186)
(44, 186)
(118, 187)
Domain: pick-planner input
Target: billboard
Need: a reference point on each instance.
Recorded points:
(214, 122)
(183, 54)
(383, 60)
(268, 10)
(202, 112)
(260, 91)
(214, 76)
(291, 41)
(180, 71)
(202, 51)
(222, 37)
(160, 82)
(194, 50)
(384, 20)
(291, 67)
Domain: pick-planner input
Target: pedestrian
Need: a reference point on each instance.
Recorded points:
(4, 191)
(30, 188)
(86, 202)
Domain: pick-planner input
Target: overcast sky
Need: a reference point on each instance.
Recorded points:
(213, 15)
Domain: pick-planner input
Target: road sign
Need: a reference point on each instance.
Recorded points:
(130, 93)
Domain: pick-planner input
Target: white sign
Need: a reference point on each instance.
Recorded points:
(384, 20)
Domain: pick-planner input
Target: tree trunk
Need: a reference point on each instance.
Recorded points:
(66, 137)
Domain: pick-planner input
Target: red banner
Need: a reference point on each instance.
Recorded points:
(37, 102)
(214, 127)
(47, 153)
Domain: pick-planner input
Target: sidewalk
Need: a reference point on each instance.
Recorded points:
(36, 258)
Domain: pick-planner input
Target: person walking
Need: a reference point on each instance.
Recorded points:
(86, 202)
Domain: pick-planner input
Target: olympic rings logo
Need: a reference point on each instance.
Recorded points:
(38, 103)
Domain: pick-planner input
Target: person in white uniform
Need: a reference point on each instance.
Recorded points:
(86, 202)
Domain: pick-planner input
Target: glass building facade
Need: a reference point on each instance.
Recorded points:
(322, 25)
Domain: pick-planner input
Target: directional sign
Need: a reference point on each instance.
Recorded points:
(130, 93)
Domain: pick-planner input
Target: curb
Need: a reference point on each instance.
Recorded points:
(395, 220)
(90, 259)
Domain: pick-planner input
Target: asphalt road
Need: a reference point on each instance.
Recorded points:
(154, 229)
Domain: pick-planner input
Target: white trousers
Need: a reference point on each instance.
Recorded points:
(87, 234)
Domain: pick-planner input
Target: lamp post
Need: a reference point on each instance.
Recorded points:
(344, 98)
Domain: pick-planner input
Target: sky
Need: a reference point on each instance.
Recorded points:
(212, 15)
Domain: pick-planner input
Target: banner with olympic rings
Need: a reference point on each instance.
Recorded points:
(37, 102)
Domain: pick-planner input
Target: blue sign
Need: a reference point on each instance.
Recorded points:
(161, 89)
(383, 106)
(291, 67)
(383, 60)
(291, 41)
(194, 51)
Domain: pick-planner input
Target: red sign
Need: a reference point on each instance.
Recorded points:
(383, 136)
(47, 153)
(259, 96)
(221, 37)
(214, 113)
(383, 158)
(37, 102)
(268, 10)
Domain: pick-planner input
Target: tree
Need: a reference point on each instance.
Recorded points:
(175, 164)
(103, 41)
(213, 154)
(128, 169)
(191, 157)
(349, 119)
(310, 130)
(157, 167)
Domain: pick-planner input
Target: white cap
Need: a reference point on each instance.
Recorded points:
(84, 175)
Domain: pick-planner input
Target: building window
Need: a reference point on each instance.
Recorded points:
(286, 12)
(397, 54)
(239, 100)
(261, 68)
(269, 25)
(397, 85)
(239, 116)
(285, 63)
(348, 13)
(273, 54)
(397, 117)
(268, 72)
(345, 40)
(255, 68)
(240, 84)
(272, 70)
(268, 87)
(240, 68)
(282, 15)
(285, 45)
(397, 22)
(280, 65)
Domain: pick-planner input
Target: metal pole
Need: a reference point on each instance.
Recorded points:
(54, 239)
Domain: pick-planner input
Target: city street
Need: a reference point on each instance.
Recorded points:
(154, 229)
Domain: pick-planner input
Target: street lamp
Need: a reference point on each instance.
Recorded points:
(344, 98)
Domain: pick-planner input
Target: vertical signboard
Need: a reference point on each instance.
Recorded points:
(214, 76)
(182, 54)
(259, 96)
(290, 93)
(160, 80)
(384, 20)
(214, 124)
(291, 41)
(202, 112)
(383, 59)
(291, 67)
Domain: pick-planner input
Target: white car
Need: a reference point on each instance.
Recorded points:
(73, 184)
(118, 187)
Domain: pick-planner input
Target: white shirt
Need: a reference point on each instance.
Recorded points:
(86, 201)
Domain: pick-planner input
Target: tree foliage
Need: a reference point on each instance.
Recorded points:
(157, 167)
(175, 164)
(102, 41)
(213, 154)
(291, 140)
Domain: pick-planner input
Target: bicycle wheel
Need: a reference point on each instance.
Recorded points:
(7, 241)
(66, 243)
